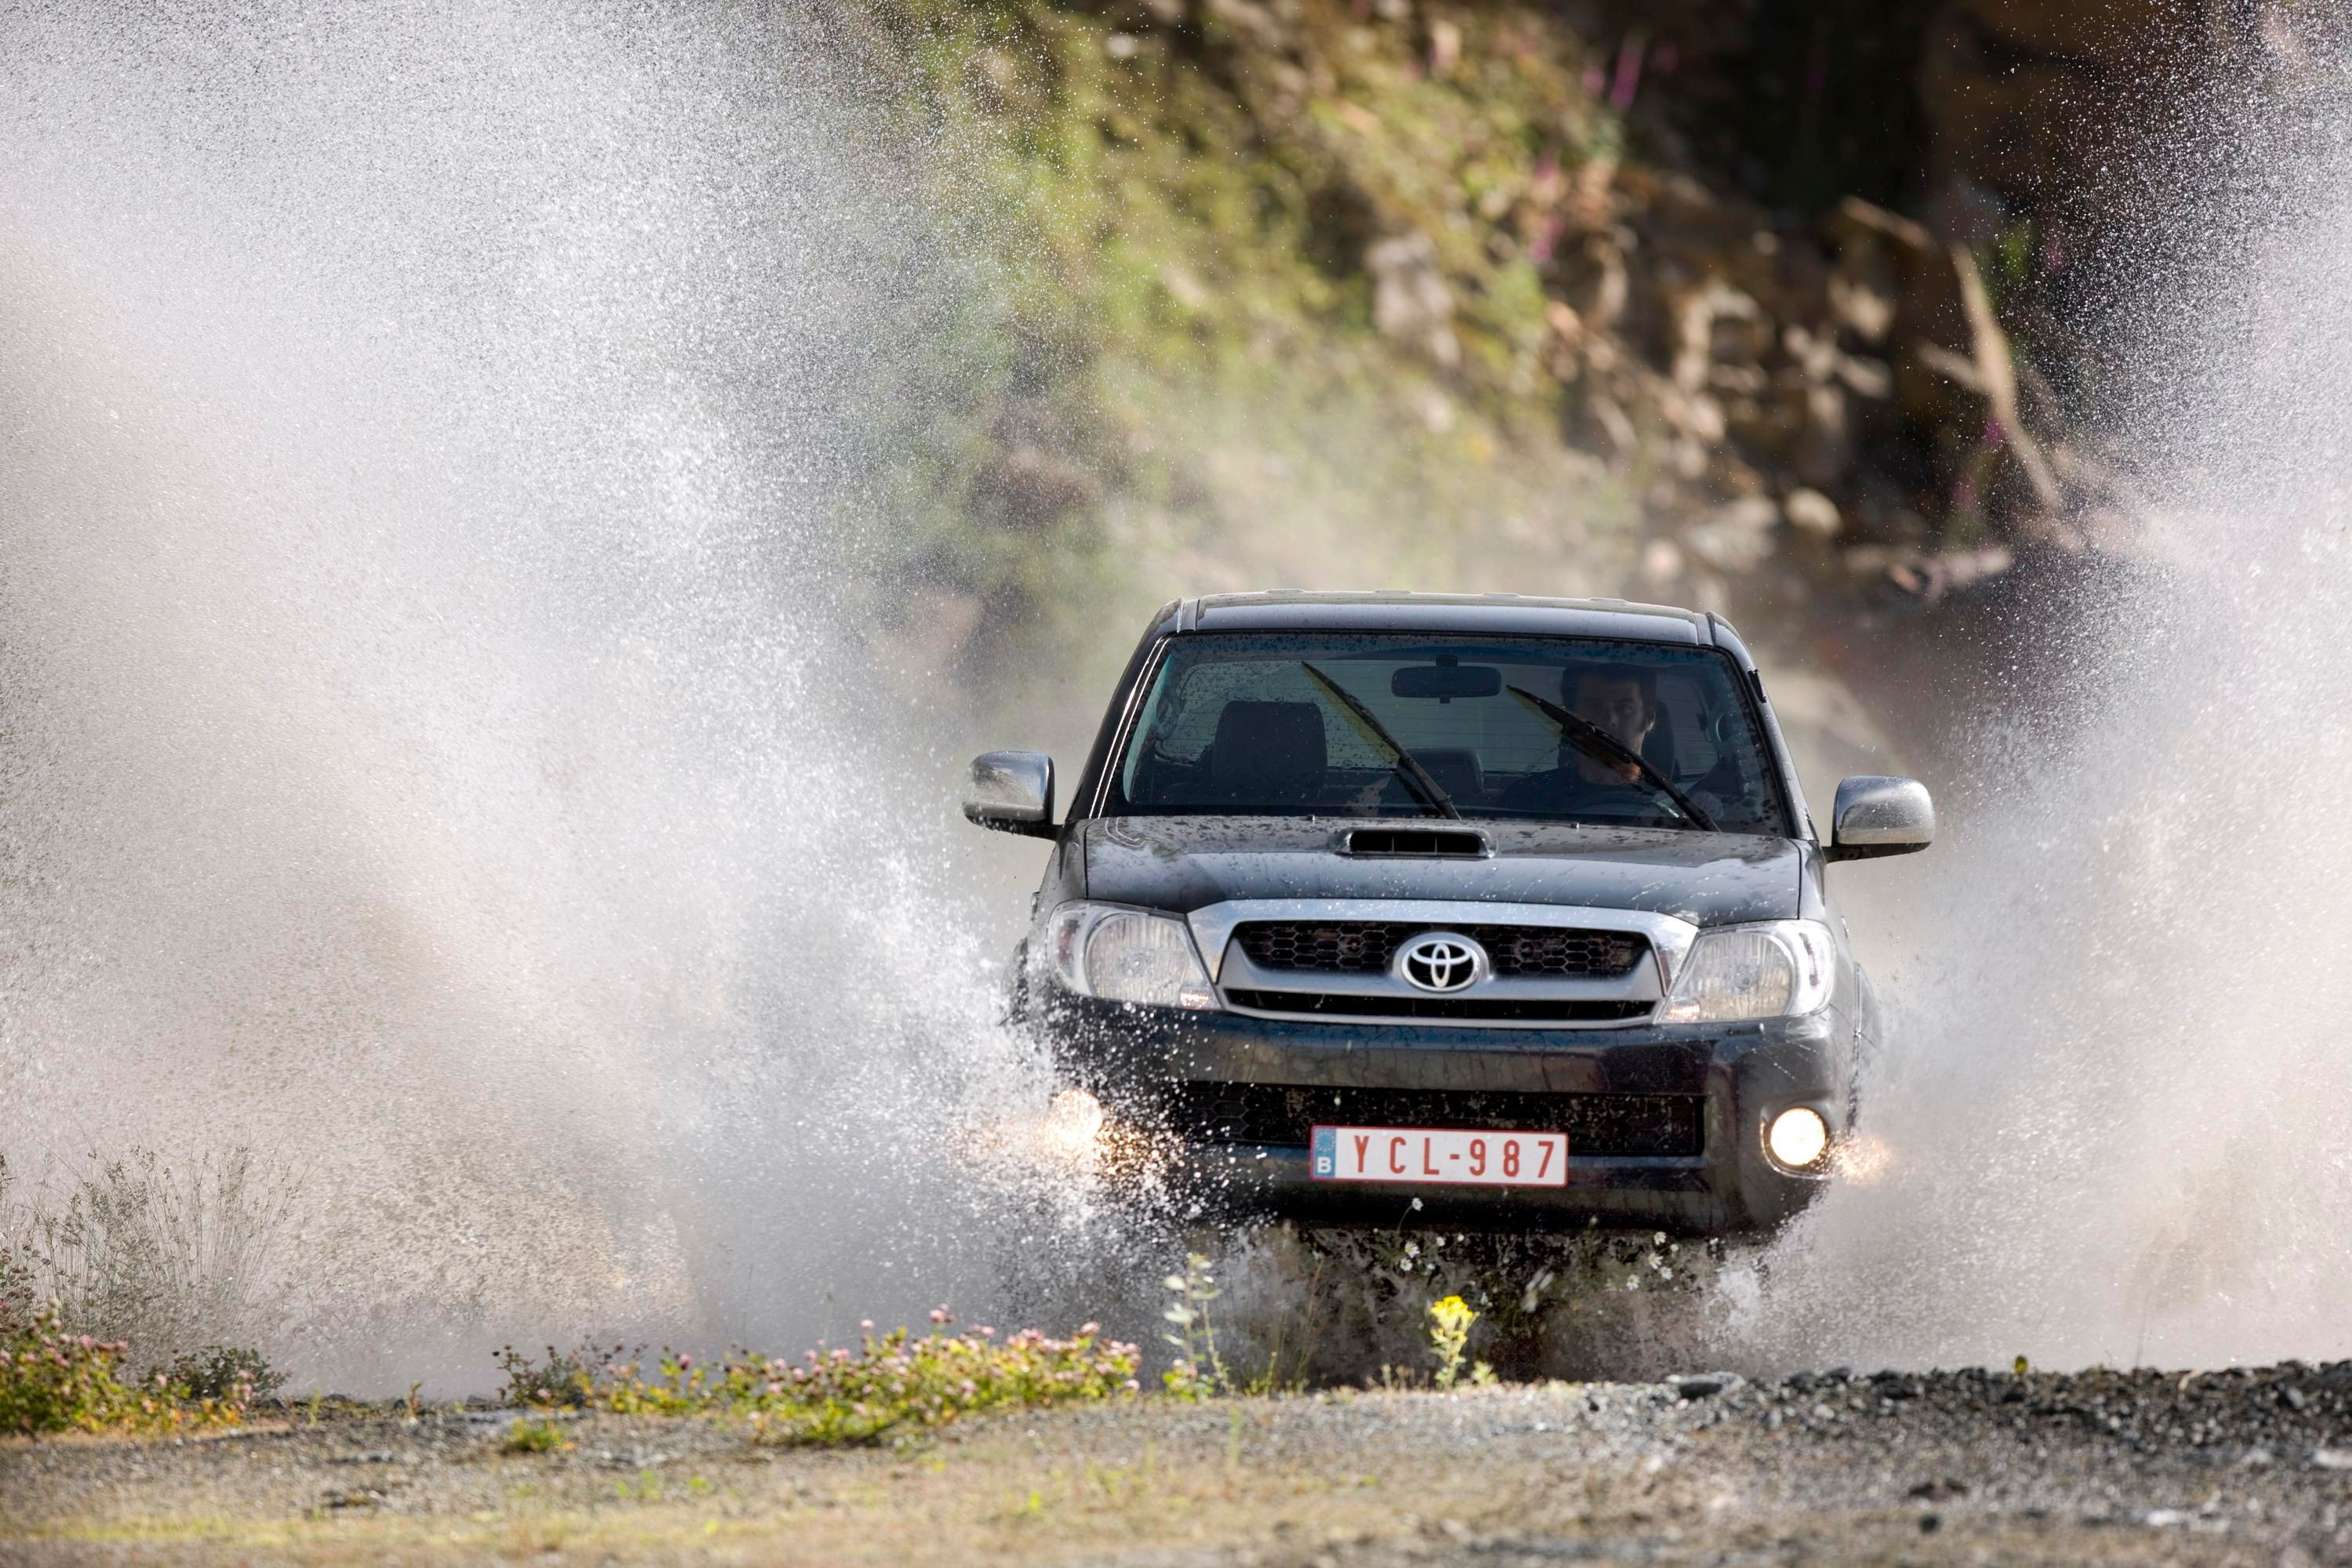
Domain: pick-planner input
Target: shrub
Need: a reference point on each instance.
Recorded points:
(567, 1380)
(163, 1257)
(168, 1259)
(54, 1380)
(889, 1384)
(218, 1371)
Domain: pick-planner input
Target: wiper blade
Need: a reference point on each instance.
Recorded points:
(1407, 768)
(1600, 742)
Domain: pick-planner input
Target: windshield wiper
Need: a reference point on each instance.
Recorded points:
(1407, 769)
(1597, 742)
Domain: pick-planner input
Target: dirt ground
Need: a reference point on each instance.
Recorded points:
(2223, 1468)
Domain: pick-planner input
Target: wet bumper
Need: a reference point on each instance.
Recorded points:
(1719, 1085)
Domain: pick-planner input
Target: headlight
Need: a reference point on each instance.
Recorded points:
(1798, 1137)
(1126, 956)
(1777, 969)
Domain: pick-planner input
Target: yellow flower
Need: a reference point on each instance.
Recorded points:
(1449, 1336)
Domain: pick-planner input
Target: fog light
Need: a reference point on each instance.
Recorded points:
(1074, 1120)
(1798, 1137)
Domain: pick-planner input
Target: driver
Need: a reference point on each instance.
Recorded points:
(1620, 701)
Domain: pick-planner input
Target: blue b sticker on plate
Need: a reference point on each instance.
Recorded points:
(1327, 1148)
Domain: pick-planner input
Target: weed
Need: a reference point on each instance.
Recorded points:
(1199, 1371)
(1449, 1336)
(530, 1437)
(893, 1382)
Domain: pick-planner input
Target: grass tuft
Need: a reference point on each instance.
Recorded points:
(530, 1437)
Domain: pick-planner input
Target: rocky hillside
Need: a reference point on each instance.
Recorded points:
(1712, 301)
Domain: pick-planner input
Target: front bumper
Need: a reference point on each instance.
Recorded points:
(1141, 1061)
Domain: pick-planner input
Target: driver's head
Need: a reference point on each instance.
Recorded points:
(1621, 700)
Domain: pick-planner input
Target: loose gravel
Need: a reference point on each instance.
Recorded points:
(2238, 1466)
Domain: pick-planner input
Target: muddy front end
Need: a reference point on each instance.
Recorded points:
(1662, 1127)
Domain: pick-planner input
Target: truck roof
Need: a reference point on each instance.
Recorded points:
(1388, 610)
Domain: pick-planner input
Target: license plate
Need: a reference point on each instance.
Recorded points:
(1441, 1156)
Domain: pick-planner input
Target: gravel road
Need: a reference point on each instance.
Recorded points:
(2238, 1466)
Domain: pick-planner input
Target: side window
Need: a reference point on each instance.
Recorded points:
(1147, 728)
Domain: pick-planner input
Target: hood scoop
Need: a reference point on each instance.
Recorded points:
(1417, 841)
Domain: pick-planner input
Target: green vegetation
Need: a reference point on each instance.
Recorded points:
(1199, 1371)
(54, 1380)
(894, 1384)
(130, 1247)
(1449, 1338)
(530, 1437)
(1236, 268)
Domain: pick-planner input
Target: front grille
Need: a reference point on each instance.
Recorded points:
(1365, 947)
(1525, 1010)
(1283, 1115)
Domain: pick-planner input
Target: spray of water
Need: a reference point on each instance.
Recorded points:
(432, 750)
(2110, 1127)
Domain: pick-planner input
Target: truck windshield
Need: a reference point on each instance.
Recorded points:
(1548, 729)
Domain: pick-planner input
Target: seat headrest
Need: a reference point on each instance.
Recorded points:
(1660, 751)
(1268, 752)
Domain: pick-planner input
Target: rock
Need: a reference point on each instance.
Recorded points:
(1444, 47)
(1823, 453)
(1735, 538)
(1863, 303)
(1411, 300)
(1810, 512)
(1704, 1386)
(1716, 323)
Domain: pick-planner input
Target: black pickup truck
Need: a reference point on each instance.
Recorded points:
(1509, 906)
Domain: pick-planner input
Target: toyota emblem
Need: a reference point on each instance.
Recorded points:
(1441, 961)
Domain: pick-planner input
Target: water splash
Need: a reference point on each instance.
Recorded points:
(2110, 1127)
(432, 747)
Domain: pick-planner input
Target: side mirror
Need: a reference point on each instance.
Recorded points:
(1011, 792)
(1876, 815)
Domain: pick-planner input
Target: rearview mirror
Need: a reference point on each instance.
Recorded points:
(1876, 815)
(1011, 792)
(1445, 681)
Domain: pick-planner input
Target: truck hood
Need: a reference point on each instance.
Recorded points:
(1183, 863)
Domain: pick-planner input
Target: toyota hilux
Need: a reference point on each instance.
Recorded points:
(1498, 912)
